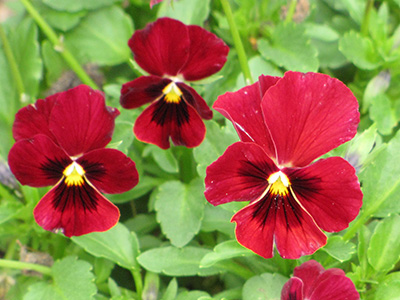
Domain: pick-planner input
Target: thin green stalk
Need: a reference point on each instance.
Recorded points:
(14, 264)
(137, 278)
(13, 63)
(291, 11)
(59, 46)
(238, 42)
(365, 21)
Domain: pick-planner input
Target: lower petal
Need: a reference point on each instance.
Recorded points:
(195, 100)
(75, 210)
(292, 290)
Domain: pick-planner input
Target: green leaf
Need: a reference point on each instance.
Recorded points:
(77, 5)
(107, 46)
(174, 261)
(180, 209)
(54, 63)
(290, 48)
(377, 85)
(217, 218)
(187, 11)
(339, 249)
(72, 280)
(171, 291)
(225, 250)
(192, 295)
(216, 141)
(389, 288)
(383, 114)
(266, 286)
(117, 244)
(384, 247)
(164, 158)
(151, 286)
(359, 50)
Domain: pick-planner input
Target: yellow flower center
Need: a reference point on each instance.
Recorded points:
(74, 175)
(172, 93)
(279, 183)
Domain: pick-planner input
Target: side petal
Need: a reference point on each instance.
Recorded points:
(75, 210)
(34, 119)
(142, 90)
(162, 47)
(37, 162)
(309, 272)
(243, 109)
(334, 287)
(329, 190)
(309, 115)
(109, 170)
(162, 120)
(207, 54)
(81, 121)
(293, 289)
(195, 100)
(240, 174)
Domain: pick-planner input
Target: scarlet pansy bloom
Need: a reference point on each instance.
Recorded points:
(311, 281)
(172, 52)
(284, 124)
(61, 141)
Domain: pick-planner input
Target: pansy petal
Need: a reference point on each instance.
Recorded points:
(81, 121)
(75, 210)
(309, 115)
(243, 109)
(309, 272)
(207, 54)
(240, 174)
(334, 287)
(38, 161)
(162, 47)
(142, 90)
(329, 190)
(293, 289)
(34, 119)
(195, 100)
(162, 120)
(109, 170)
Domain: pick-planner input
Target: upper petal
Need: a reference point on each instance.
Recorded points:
(142, 90)
(81, 121)
(309, 272)
(163, 120)
(109, 170)
(240, 174)
(329, 190)
(195, 100)
(75, 210)
(162, 47)
(293, 289)
(207, 54)
(243, 109)
(38, 161)
(334, 285)
(34, 119)
(309, 115)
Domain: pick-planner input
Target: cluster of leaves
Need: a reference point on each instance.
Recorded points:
(183, 247)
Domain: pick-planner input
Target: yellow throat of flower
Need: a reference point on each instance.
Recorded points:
(74, 175)
(172, 93)
(279, 183)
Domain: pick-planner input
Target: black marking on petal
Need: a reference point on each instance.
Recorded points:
(54, 168)
(165, 112)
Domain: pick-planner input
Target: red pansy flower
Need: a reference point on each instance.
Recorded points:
(311, 281)
(61, 141)
(285, 124)
(172, 52)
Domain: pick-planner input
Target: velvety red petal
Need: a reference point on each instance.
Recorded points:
(162, 121)
(207, 54)
(195, 100)
(109, 170)
(240, 174)
(34, 119)
(142, 90)
(309, 272)
(243, 109)
(292, 290)
(334, 287)
(162, 47)
(329, 190)
(75, 210)
(38, 161)
(81, 121)
(309, 115)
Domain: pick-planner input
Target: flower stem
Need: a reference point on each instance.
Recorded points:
(365, 21)
(238, 42)
(291, 11)
(14, 264)
(13, 63)
(59, 46)
(137, 278)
